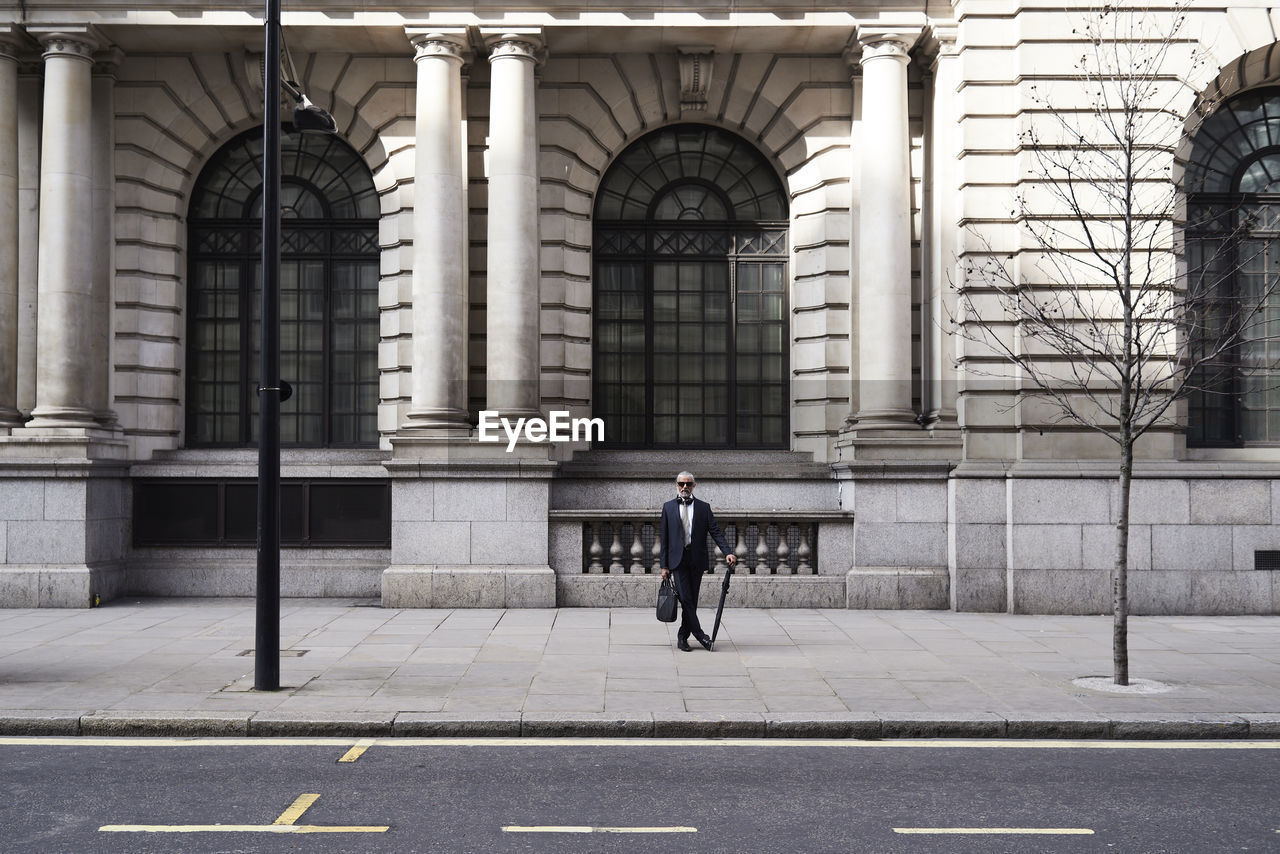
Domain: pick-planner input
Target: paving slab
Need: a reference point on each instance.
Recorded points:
(185, 667)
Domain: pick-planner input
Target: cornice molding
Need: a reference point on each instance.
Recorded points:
(107, 62)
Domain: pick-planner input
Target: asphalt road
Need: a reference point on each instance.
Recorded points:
(79, 795)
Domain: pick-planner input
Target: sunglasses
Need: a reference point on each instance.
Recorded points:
(684, 483)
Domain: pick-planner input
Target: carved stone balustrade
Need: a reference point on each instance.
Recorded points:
(776, 546)
(775, 549)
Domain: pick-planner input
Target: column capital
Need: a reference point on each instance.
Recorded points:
(886, 44)
(517, 44)
(73, 42)
(436, 43)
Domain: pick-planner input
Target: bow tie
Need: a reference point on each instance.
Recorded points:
(684, 500)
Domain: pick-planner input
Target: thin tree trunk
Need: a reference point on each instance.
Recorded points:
(1120, 578)
(1120, 582)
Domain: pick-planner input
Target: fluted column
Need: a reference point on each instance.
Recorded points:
(439, 243)
(940, 407)
(64, 359)
(103, 140)
(9, 415)
(884, 237)
(513, 263)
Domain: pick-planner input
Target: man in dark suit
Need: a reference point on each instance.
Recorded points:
(686, 522)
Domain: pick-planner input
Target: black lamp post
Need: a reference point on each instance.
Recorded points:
(271, 391)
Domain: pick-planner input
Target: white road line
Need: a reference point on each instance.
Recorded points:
(239, 828)
(1008, 831)
(574, 828)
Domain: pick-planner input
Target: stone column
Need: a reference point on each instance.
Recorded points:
(9, 415)
(30, 93)
(884, 238)
(513, 267)
(64, 361)
(439, 245)
(104, 196)
(940, 408)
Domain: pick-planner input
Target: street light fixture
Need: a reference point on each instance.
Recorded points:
(271, 391)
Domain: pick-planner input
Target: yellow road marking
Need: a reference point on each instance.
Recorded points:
(975, 831)
(296, 809)
(357, 751)
(981, 743)
(573, 828)
(240, 828)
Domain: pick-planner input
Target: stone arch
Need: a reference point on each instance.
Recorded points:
(797, 111)
(172, 113)
(707, 202)
(1251, 69)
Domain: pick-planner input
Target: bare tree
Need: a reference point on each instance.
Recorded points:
(1096, 318)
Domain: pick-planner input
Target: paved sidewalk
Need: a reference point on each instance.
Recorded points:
(353, 669)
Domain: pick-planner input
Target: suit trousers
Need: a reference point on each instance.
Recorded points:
(688, 584)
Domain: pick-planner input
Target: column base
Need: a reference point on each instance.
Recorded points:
(455, 421)
(434, 433)
(865, 420)
(10, 418)
(36, 442)
(456, 447)
(63, 416)
(902, 444)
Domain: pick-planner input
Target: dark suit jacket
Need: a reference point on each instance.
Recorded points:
(672, 530)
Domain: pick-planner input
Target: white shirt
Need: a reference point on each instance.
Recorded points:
(686, 518)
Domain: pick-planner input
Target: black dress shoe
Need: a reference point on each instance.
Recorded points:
(706, 643)
(683, 645)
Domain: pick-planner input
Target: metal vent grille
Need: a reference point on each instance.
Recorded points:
(284, 653)
(1266, 559)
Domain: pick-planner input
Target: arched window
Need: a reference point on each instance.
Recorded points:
(328, 295)
(1233, 240)
(690, 295)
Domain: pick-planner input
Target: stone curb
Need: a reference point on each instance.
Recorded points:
(668, 725)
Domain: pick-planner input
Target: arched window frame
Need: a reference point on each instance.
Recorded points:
(329, 317)
(735, 410)
(1237, 229)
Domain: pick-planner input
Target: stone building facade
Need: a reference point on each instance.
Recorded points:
(730, 233)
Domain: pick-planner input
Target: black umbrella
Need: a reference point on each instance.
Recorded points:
(724, 591)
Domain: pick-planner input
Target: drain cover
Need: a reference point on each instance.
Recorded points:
(284, 653)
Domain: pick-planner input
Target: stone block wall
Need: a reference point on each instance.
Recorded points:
(342, 573)
(1047, 544)
(469, 521)
(63, 539)
(900, 536)
(469, 534)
